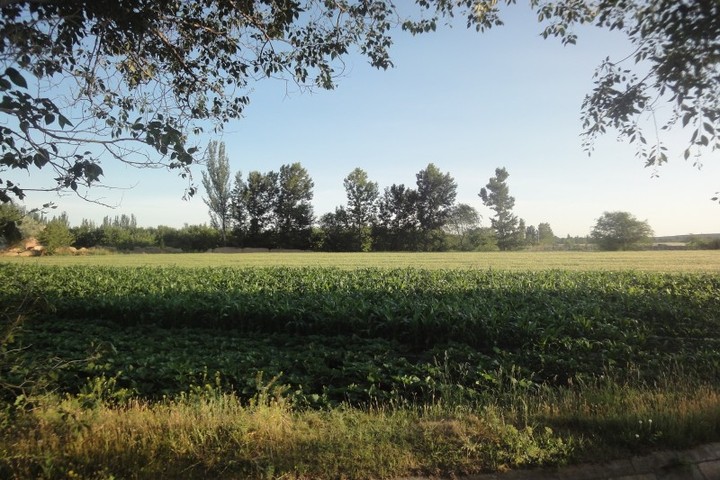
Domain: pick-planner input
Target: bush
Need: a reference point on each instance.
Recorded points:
(56, 235)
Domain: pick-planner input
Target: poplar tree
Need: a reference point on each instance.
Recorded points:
(216, 180)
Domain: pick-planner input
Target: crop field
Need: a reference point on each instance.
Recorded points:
(547, 342)
(653, 261)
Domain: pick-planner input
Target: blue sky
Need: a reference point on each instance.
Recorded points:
(465, 101)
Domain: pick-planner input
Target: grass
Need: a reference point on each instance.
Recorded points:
(653, 261)
(214, 435)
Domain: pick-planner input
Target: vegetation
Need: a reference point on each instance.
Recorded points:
(709, 243)
(464, 225)
(362, 195)
(530, 321)
(496, 195)
(677, 261)
(10, 219)
(216, 181)
(210, 434)
(621, 231)
(56, 234)
(273, 210)
(193, 371)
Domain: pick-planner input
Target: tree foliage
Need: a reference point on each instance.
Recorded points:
(496, 196)
(337, 234)
(10, 220)
(531, 235)
(293, 209)
(462, 221)
(677, 57)
(56, 234)
(216, 181)
(362, 195)
(545, 234)
(620, 231)
(436, 192)
(273, 209)
(143, 75)
(253, 203)
(398, 223)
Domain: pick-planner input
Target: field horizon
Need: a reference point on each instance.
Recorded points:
(651, 261)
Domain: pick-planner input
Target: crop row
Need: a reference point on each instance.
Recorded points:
(409, 305)
(558, 324)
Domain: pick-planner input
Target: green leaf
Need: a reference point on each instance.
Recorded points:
(15, 77)
(686, 118)
(41, 158)
(62, 120)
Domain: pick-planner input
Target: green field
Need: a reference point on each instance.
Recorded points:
(294, 365)
(654, 261)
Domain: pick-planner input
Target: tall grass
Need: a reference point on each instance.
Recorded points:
(207, 434)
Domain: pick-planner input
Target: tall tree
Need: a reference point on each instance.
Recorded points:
(620, 231)
(398, 225)
(149, 73)
(293, 210)
(545, 234)
(436, 192)
(216, 180)
(362, 196)
(253, 207)
(531, 235)
(520, 233)
(496, 196)
(238, 207)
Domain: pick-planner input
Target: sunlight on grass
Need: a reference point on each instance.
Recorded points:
(657, 261)
(214, 434)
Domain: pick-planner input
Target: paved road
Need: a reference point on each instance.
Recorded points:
(701, 463)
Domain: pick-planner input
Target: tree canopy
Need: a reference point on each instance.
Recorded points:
(82, 81)
(620, 231)
(273, 209)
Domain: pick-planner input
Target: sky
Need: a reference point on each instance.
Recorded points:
(469, 103)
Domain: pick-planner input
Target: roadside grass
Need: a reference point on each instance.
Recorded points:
(209, 434)
(651, 261)
(612, 419)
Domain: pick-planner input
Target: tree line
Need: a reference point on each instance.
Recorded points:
(120, 232)
(274, 210)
